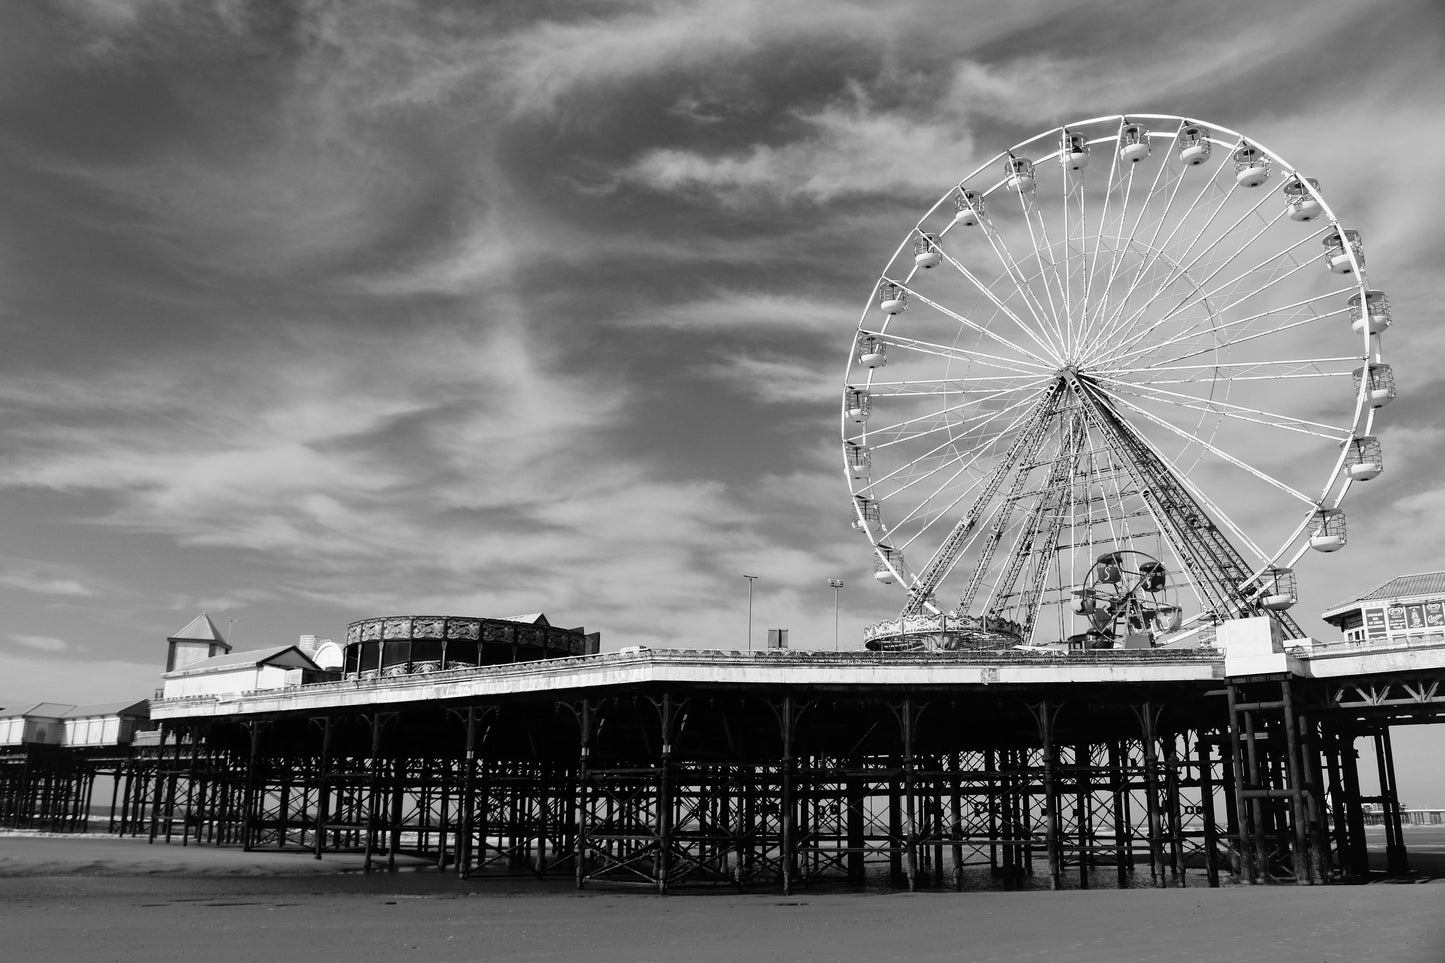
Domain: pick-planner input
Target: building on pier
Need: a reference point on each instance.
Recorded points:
(1402, 610)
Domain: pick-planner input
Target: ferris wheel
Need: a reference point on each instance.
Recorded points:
(1137, 336)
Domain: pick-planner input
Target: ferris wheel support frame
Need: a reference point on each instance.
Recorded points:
(920, 596)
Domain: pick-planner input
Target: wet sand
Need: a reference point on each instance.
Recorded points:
(94, 898)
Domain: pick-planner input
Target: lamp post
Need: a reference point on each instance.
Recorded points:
(751, 579)
(837, 584)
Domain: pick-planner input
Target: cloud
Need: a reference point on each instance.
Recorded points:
(851, 147)
(787, 314)
(31, 581)
(42, 643)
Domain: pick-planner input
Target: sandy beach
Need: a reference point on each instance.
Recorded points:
(110, 899)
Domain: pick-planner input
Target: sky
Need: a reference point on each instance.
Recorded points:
(315, 312)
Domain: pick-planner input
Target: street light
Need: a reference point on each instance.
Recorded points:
(837, 584)
(751, 579)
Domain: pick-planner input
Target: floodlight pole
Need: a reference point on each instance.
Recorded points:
(837, 584)
(751, 579)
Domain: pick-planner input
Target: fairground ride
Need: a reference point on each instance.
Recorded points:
(1109, 389)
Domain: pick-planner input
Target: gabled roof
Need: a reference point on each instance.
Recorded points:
(200, 629)
(110, 709)
(531, 618)
(1401, 586)
(287, 656)
(48, 710)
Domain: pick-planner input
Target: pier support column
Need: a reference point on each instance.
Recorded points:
(248, 795)
(1396, 860)
(910, 814)
(1357, 855)
(584, 726)
(786, 815)
(665, 798)
(1044, 717)
(1149, 721)
(323, 788)
(1206, 804)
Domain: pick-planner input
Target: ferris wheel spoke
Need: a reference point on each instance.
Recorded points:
(1240, 536)
(1185, 479)
(1021, 284)
(1208, 446)
(1297, 307)
(1269, 419)
(954, 353)
(1156, 249)
(915, 479)
(1092, 260)
(939, 420)
(1043, 251)
(912, 388)
(980, 482)
(1182, 271)
(973, 427)
(1073, 189)
(980, 329)
(1254, 291)
(1288, 368)
(1122, 244)
(1002, 308)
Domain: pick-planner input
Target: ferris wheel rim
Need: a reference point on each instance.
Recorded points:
(1360, 424)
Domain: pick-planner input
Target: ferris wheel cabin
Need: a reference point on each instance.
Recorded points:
(872, 353)
(967, 207)
(1278, 590)
(1300, 200)
(1073, 151)
(1194, 145)
(859, 460)
(856, 403)
(1327, 530)
(892, 298)
(867, 516)
(1375, 317)
(885, 555)
(1133, 143)
(926, 253)
(1251, 166)
(1336, 254)
(1018, 174)
(1363, 458)
(1380, 384)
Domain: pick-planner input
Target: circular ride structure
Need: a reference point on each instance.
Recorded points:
(1143, 342)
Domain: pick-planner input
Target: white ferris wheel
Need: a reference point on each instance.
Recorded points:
(1129, 338)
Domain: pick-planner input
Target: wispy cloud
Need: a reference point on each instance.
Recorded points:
(850, 147)
(34, 581)
(42, 643)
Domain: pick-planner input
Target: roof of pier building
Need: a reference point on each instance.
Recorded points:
(201, 629)
(1400, 587)
(283, 656)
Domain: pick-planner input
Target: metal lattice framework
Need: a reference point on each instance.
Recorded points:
(1139, 333)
